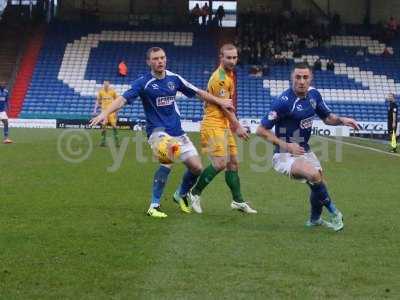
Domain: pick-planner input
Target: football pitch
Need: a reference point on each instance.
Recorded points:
(75, 227)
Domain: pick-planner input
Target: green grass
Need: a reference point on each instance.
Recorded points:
(77, 231)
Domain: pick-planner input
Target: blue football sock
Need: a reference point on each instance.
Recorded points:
(160, 179)
(316, 205)
(320, 194)
(5, 129)
(188, 181)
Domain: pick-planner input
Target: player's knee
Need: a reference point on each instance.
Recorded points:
(232, 166)
(196, 168)
(219, 165)
(315, 177)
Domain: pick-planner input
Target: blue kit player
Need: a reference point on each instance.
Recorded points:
(3, 114)
(292, 116)
(157, 91)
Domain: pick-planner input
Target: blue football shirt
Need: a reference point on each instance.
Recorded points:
(293, 116)
(3, 99)
(159, 101)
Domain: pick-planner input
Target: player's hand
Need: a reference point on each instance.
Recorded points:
(242, 132)
(98, 120)
(350, 123)
(295, 149)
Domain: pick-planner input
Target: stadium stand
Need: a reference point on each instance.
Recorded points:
(72, 66)
(76, 59)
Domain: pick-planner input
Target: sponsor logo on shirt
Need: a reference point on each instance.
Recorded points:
(222, 93)
(165, 101)
(306, 123)
(155, 86)
(284, 98)
(299, 107)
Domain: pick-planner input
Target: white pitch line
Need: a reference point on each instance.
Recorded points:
(359, 146)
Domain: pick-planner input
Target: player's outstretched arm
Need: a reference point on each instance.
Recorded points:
(114, 106)
(268, 135)
(335, 120)
(223, 103)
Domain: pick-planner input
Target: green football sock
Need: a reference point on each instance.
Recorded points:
(115, 134)
(233, 181)
(205, 178)
(103, 136)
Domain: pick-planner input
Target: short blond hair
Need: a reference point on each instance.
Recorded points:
(226, 47)
(151, 50)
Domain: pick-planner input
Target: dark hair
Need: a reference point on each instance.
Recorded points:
(302, 65)
(151, 50)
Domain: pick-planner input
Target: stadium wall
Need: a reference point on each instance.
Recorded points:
(275, 5)
(352, 12)
(119, 10)
(381, 11)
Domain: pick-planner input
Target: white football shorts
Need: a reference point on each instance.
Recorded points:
(282, 162)
(3, 115)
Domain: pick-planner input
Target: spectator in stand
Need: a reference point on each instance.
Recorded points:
(122, 69)
(336, 23)
(387, 52)
(330, 66)
(205, 11)
(220, 14)
(246, 53)
(195, 14)
(265, 69)
(360, 52)
(317, 65)
(392, 24)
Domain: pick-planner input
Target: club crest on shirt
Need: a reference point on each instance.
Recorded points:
(222, 93)
(171, 85)
(313, 103)
(272, 115)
